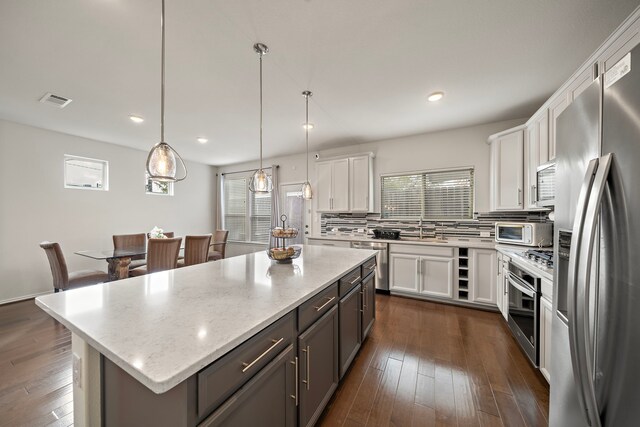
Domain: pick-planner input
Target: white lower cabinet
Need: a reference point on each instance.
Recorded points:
(546, 315)
(422, 270)
(483, 271)
(502, 288)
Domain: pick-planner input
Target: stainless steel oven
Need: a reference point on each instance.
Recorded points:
(524, 310)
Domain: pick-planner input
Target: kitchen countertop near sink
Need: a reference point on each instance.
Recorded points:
(451, 242)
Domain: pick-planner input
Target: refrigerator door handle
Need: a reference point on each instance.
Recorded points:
(584, 283)
(576, 240)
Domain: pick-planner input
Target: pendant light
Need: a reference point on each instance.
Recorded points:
(260, 181)
(161, 161)
(307, 192)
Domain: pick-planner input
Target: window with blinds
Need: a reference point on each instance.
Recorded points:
(440, 194)
(246, 215)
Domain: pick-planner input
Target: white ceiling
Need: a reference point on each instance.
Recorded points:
(370, 64)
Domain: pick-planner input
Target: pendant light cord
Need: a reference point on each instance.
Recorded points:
(306, 128)
(260, 109)
(162, 78)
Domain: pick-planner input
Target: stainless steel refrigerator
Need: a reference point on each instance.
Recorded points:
(595, 365)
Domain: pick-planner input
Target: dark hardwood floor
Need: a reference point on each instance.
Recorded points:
(424, 364)
(428, 364)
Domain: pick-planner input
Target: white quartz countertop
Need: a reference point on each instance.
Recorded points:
(451, 242)
(518, 258)
(164, 327)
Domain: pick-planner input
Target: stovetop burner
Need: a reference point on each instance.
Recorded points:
(541, 256)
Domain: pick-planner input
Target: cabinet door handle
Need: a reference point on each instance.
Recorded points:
(534, 194)
(297, 375)
(353, 282)
(248, 366)
(307, 350)
(325, 304)
(519, 196)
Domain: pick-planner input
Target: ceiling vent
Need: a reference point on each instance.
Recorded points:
(57, 100)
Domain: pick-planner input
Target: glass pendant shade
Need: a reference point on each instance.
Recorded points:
(307, 192)
(162, 165)
(260, 182)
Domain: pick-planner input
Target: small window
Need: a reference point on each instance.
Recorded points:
(86, 174)
(156, 187)
(442, 194)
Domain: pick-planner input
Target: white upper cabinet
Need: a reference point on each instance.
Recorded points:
(578, 86)
(620, 47)
(507, 174)
(345, 185)
(536, 153)
(361, 183)
(555, 108)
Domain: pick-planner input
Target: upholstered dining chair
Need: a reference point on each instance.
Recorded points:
(162, 254)
(167, 234)
(62, 279)
(131, 241)
(219, 245)
(196, 250)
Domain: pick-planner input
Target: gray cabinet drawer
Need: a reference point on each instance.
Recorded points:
(369, 267)
(222, 378)
(349, 280)
(313, 309)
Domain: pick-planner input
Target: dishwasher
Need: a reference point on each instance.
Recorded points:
(382, 261)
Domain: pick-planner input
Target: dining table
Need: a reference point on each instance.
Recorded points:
(118, 260)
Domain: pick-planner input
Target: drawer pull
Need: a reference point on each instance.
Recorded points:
(248, 366)
(372, 267)
(353, 282)
(325, 304)
(295, 397)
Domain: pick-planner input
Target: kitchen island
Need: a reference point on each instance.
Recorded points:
(203, 345)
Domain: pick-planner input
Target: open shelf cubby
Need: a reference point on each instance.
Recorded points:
(463, 274)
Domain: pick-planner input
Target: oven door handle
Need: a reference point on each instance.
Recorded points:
(524, 289)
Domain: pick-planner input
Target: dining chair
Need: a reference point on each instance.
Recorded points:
(62, 279)
(162, 254)
(219, 245)
(196, 250)
(131, 241)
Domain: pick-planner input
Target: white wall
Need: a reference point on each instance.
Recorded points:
(447, 149)
(36, 206)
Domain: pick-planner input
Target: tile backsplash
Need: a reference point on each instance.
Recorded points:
(363, 224)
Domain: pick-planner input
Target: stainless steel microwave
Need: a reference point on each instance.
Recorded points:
(525, 233)
(545, 188)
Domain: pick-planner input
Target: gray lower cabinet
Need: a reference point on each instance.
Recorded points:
(268, 399)
(350, 327)
(368, 304)
(318, 364)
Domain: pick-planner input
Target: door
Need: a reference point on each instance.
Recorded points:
(350, 329)
(509, 165)
(323, 186)
(368, 304)
(436, 276)
(498, 282)
(359, 183)
(537, 153)
(483, 273)
(340, 186)
(404, 272)
(556, 107)
(270, 396)
(318, 358)
(505, 287)
(294, 207)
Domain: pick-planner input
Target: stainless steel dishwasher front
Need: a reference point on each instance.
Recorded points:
(382, 267)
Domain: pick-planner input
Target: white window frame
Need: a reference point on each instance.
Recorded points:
(421, 172)
(249, 238)
(148, 181)
(105, 173)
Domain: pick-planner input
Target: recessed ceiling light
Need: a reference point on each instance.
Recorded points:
(136, 119)
(202, 140)
(435, 96)
(307, 126)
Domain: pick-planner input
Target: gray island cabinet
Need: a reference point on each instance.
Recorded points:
(236, 342)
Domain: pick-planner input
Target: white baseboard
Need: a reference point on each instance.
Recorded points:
(24, 297)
